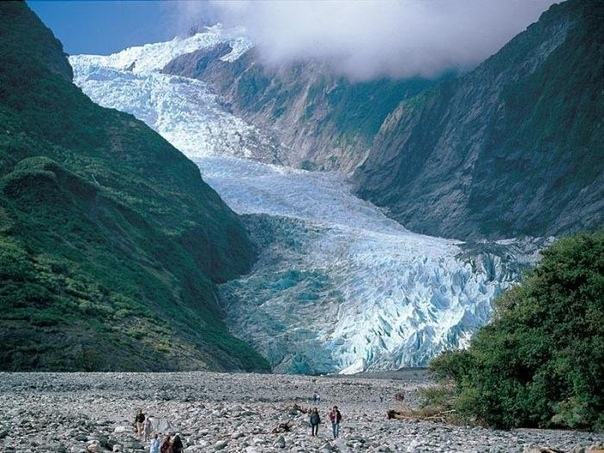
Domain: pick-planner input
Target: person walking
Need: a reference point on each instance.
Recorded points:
(147, 429)
(139, 419)
(177, 446)
(154, 447)
(335, 417)
(166, 445)
(314, 421)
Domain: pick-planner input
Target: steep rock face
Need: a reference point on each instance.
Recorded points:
(322, 122)
(111, 244)
(513, 148)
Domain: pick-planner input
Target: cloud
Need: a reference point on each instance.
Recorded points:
(365, 39)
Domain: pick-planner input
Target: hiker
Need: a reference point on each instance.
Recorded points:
(147, 429)
(166, 445)
(154, 448)
(335, 417)
(314, 421)
(139, 419)
(177, 446)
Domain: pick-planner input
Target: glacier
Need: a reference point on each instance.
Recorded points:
(338, 287)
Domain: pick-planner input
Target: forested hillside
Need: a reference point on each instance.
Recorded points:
(110, 242)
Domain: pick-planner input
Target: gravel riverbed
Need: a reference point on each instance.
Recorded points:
(87, 412)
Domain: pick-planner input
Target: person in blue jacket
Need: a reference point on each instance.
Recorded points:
(314, 421)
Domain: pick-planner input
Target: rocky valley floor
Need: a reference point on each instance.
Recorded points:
(85, 412)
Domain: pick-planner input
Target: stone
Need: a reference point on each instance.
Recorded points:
(280, 442)
(75, 408)
(220, 445)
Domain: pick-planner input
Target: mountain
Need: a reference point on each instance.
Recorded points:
(111, 244)
(513, 148)
(320, 121)
(337, 285)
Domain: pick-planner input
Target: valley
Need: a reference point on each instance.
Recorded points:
(338, 286)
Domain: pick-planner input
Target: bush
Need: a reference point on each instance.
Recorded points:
(540, 363)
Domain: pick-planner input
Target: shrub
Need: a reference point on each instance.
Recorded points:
(540, 363)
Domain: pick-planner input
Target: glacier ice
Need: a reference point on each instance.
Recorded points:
(338, 286)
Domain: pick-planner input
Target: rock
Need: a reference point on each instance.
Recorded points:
(160, 425)
(326, 448)
(220, 445)
(280, 442)
(75, 409)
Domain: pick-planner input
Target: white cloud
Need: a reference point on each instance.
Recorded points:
(364, 39)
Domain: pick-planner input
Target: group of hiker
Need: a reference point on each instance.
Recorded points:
(335, 417)
(175, 445)
(158, 445)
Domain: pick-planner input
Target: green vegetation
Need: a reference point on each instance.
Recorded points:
(540, 363)
(110, 242)
(361, 108)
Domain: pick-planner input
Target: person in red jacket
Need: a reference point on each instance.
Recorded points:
(166, 445)
(335, 417)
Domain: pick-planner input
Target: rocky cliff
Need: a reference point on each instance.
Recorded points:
(514, 147)
(320, 121)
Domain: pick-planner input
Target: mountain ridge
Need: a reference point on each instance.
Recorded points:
(490, 154)
(321, 122)
(337, 287)
(111, 244)
(427, 293)
(501, 140)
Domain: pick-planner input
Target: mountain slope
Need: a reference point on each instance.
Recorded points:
(322, 122)
(111, 244)
(513, 148)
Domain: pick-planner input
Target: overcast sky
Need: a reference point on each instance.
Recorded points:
(361, 38)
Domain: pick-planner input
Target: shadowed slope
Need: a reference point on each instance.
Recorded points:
(110, 242)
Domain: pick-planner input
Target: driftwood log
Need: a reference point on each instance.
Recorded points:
(409, 415)
(298, 408)
(282, 428)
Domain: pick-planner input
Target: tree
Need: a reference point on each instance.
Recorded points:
(540, 362)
